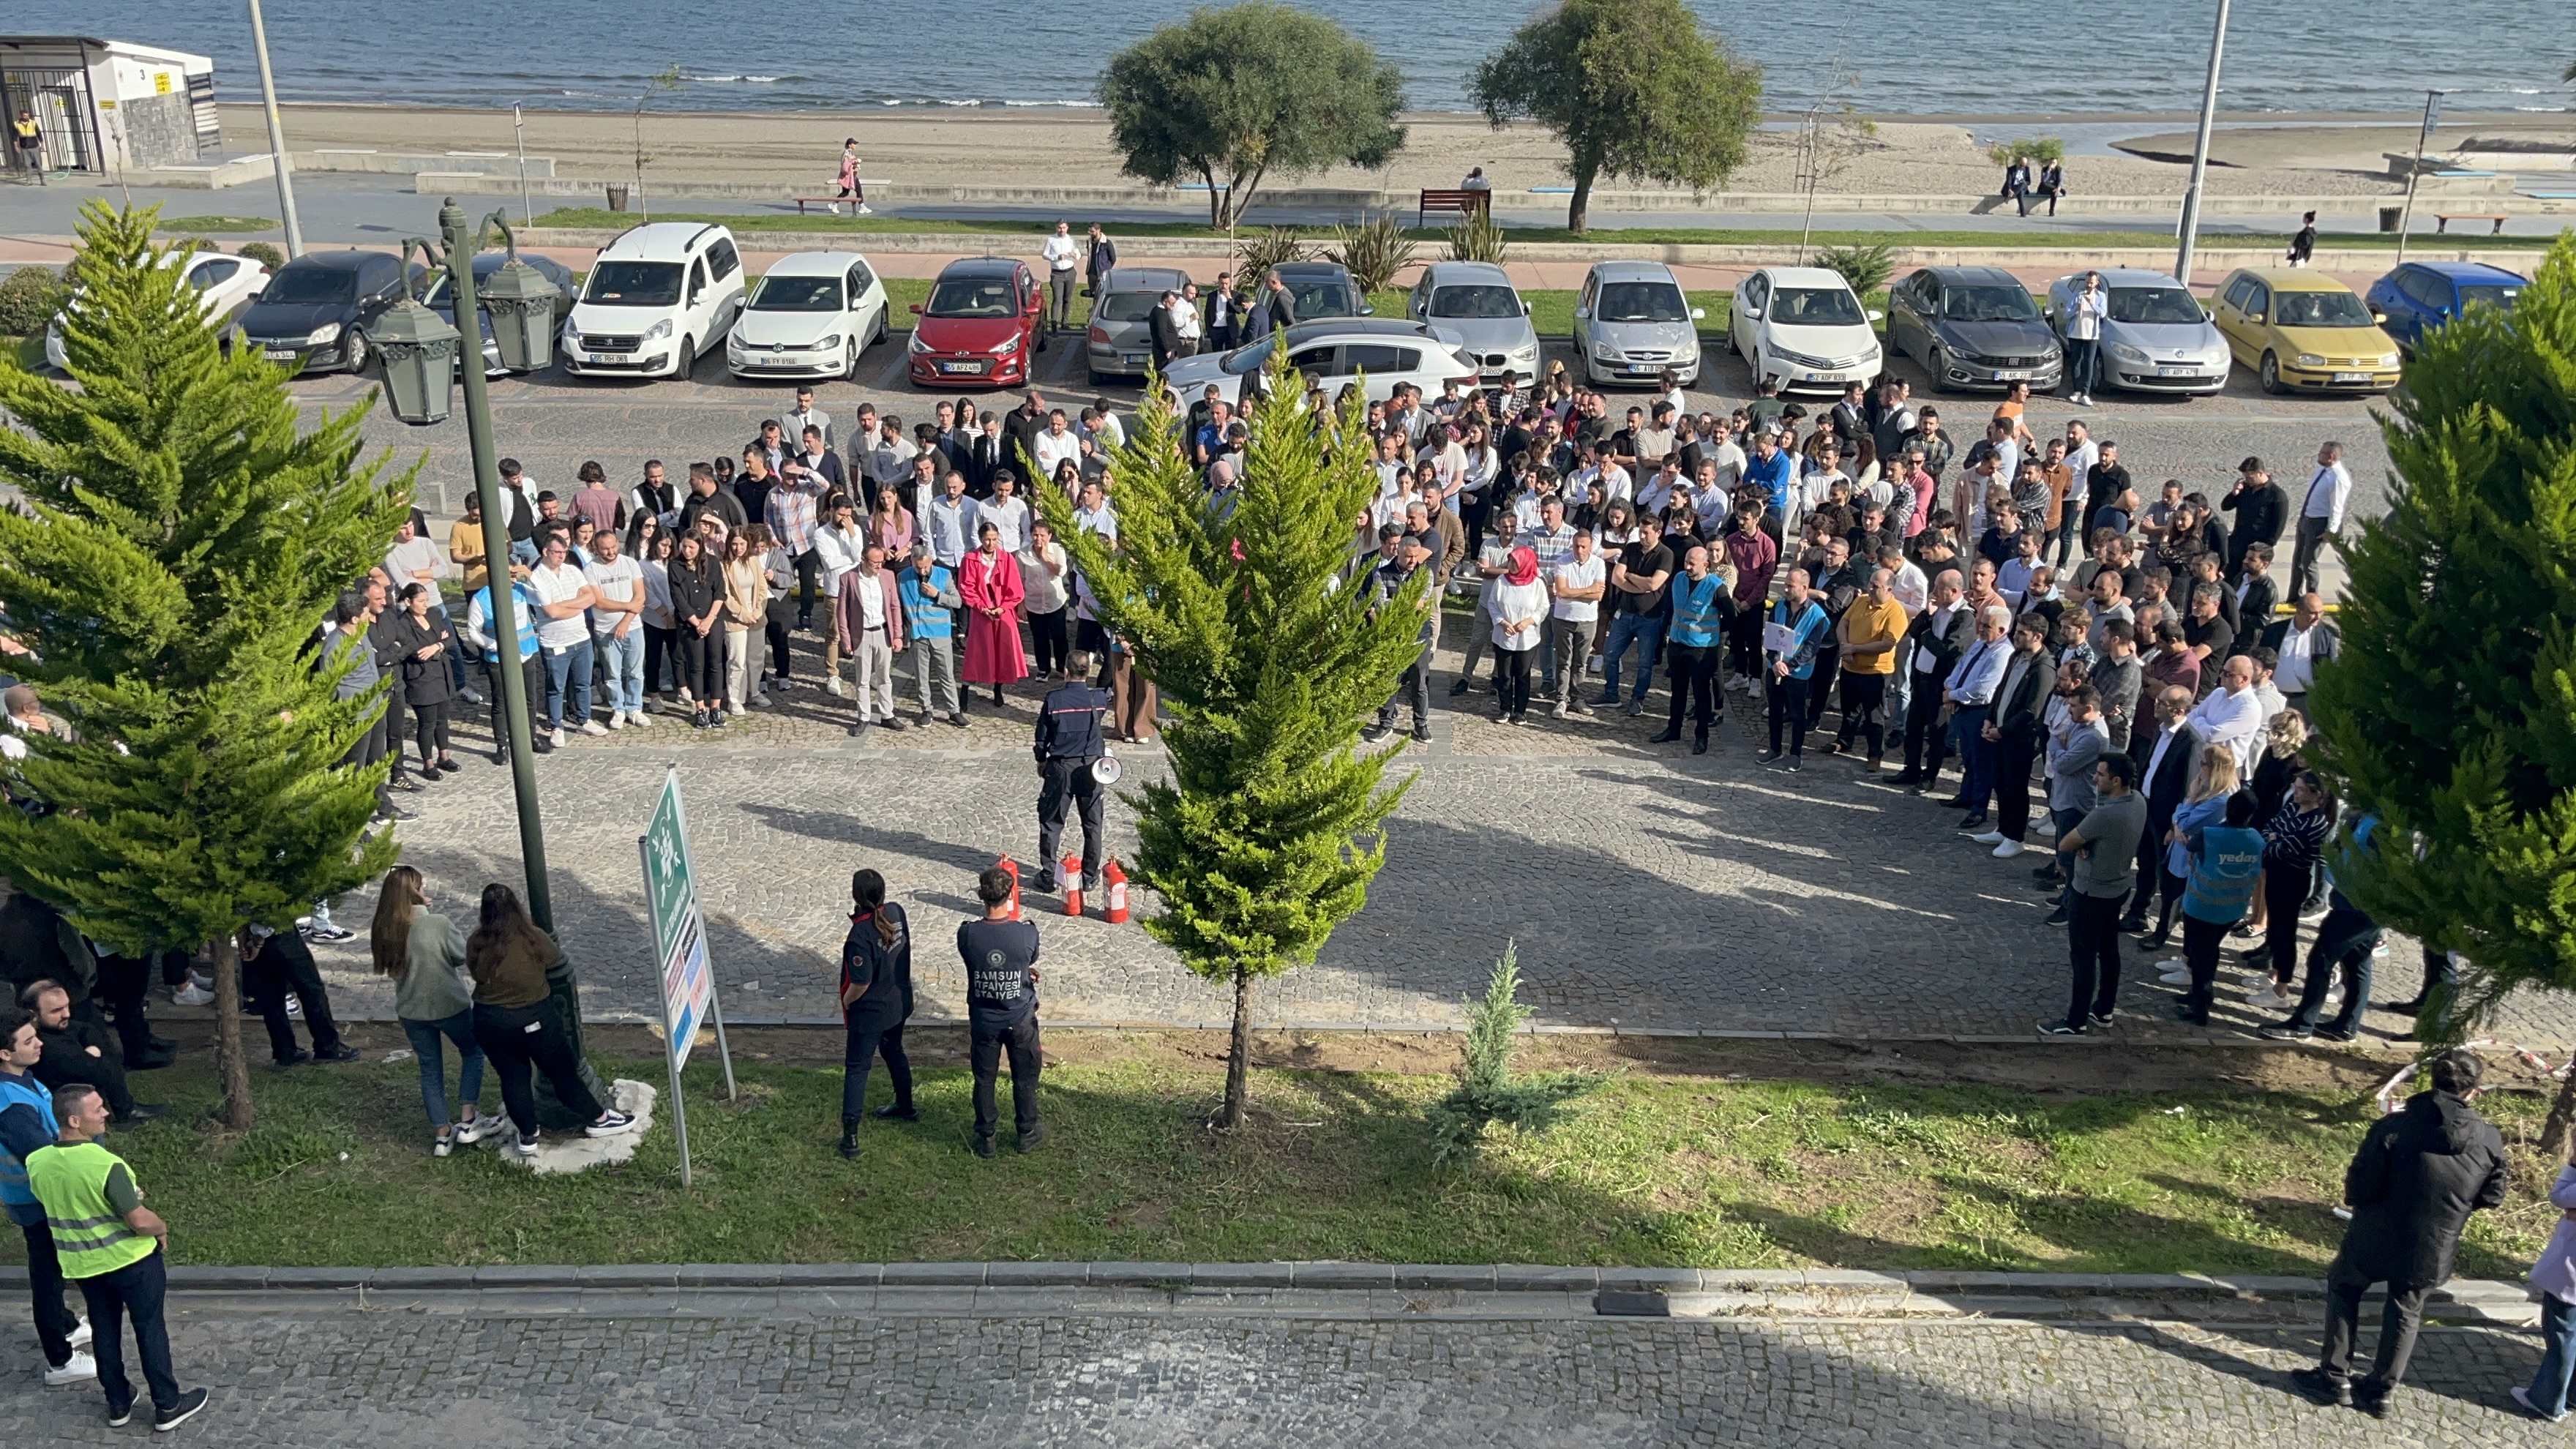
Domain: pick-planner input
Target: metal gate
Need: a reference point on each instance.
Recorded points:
(64, 115)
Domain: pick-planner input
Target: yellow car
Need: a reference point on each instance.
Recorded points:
(2301, 332)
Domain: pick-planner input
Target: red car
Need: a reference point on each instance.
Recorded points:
(980, 327)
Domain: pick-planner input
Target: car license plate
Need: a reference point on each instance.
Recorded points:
(2177, 372)
(281, 354)
(1646, 367)
(2352, 377)
(961, 367)
(2015, 375)
(1132, 359)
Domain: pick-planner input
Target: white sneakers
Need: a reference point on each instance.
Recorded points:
(80, 1334)
(593, 727)
(2008, 850)
(617, 720)
(1988, 837)
(192, 995)
(832, 685)
(555, 738)
(471, 1132)
(80, 1368)
(637, 719)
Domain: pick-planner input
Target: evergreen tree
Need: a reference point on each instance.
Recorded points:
(2452, 712)
(181, 540)
(1258, 629)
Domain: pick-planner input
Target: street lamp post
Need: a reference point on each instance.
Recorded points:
(2200, 151)
(276, 134)
(2415, 173)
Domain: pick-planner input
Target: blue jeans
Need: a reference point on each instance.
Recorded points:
(1976, 756)
(1647, 631)
(570, 668)
(2548, 1391)
(621, 669)
(433, 1063)
(2083, 364)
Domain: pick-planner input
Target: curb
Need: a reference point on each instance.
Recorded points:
(2479, 1297)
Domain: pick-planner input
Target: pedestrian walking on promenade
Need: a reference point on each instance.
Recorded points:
(27, 1122)
(424, 953)
(519, 1024)
(876, 1000)
(1061, 253)
(2419, 1174)
(116, 1249)
(2553, 1281)
(1001, 957)
(846, 186)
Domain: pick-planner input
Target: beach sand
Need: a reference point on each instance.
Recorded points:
(801, 150)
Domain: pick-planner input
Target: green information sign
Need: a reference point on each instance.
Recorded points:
(679, 949)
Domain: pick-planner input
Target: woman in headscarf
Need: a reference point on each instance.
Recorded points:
(876, 1000)
(1520, 609)
(989, 582)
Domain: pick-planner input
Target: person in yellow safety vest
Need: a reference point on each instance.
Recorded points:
(113, 1247)
(29, 143)
(26, 1124)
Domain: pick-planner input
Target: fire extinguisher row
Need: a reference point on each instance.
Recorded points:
(1113, 879)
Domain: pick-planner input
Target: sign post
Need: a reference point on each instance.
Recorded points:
(680, 950)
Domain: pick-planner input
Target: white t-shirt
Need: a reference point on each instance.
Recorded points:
(1010, 516)
(617, 581)
(405, 560)
(1518, 601)
(1045, 589)
(1060, 252)
(558, 586)
(1581, 574)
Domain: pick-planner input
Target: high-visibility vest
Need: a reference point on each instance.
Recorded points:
(90, 1238)
(17, 1087)
(26, 129)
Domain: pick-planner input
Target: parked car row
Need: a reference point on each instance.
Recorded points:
(664, 294)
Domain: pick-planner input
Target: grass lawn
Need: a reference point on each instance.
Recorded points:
(1661, 1166)
(596, 218)
(208, 225)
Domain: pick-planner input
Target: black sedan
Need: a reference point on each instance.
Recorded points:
(485, 264)
(316, 310)
(1973, 327)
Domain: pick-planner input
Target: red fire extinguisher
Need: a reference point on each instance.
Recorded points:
(1117, 880)
(1013, 868)
(1073, 885)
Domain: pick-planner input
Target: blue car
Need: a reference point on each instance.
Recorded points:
(2419, 295)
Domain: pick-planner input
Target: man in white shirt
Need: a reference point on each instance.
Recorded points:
(617, 628)
(1006, 510)
(2232, 715)
(2081, 454)
(1575, 586)
(839, 544)
(2329, 491)
(873, 620)
(1061, 254)
(1054, 448)
(2305, 638)
(563, 596)
(887, 459)
(1094, 515)
(1663, 485)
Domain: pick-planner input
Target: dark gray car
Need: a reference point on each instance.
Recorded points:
(1121, 336)
(1973, 327)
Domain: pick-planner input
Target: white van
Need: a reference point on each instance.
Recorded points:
(657, 299)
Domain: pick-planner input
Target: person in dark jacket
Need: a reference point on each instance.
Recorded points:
(275, 964)
(420, 646)
(80, 1050)
(2261, 507)
(876, 1000)
(2419, 1174)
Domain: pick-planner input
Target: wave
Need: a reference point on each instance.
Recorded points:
(716, 80)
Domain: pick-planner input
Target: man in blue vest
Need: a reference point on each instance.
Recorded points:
(1792, 637)
(1702, 607)
(2226, 867)
(27, 1123)
(532, 669)
(113, 1247)
(928, 592)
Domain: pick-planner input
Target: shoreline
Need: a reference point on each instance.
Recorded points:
(1086, 109)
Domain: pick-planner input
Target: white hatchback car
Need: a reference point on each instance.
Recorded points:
(1382, 350)
(1804, 327)
(658, 298)
(224, 286)
(812, 314)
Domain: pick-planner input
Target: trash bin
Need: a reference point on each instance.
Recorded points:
(617, 202)
(2388, 217)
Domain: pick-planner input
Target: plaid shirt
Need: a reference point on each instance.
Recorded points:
(790, 512)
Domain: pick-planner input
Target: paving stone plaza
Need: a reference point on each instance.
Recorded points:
(495, 1379)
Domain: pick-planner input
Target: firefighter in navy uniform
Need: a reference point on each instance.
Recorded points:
(1069, 742)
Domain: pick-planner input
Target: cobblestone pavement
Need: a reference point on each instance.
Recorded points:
(353, 1381)
(1648, 889)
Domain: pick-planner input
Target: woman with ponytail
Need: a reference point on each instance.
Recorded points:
(876, 1000)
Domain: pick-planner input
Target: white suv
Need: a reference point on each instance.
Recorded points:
(657, 298)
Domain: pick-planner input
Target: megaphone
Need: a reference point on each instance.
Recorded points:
(1106, 769)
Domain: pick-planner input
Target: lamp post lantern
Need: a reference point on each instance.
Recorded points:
(417, 349)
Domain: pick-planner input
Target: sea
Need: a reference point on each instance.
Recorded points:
(1886, 58)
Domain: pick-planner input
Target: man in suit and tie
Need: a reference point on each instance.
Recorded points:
(2012, 731)
(1222, 313)
(1933, 643)
(2320, 515)
(2166, 758)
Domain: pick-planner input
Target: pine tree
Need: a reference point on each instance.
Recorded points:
(1258, 630)
(182, 539)
(2452, 712)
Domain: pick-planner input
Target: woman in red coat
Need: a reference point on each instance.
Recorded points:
(989, 582)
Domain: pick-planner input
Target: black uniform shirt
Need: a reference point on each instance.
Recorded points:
(1069, 722)
(1000, 985)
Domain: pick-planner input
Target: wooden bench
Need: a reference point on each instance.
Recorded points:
(804, 201)
(1470, 201)
(2442, 220)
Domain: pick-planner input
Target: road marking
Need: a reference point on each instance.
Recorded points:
(893, 372)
